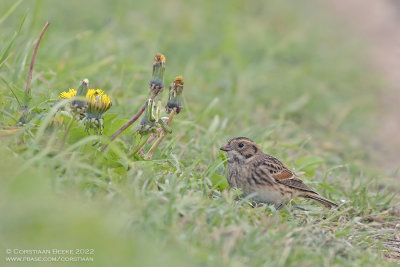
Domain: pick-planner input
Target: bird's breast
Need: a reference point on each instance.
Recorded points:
(235, 174)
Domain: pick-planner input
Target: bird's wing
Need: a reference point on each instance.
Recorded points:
(282, 174)
(296, 183)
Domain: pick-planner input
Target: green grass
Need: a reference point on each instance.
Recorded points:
(280, 73)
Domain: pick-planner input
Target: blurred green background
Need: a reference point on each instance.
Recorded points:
(282, 73)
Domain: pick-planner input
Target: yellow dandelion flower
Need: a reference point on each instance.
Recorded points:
(175, 95)
(159, 58)
(157, 79)
(178, 80)
(71, 93)
(94, 93)
(98, 102)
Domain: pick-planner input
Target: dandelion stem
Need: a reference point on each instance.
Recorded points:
(126, 125)
(141, 144)
(149, 154)
(28, 82)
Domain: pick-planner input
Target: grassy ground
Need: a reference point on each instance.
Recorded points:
(279, 73)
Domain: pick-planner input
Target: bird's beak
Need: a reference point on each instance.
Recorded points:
(226, 148)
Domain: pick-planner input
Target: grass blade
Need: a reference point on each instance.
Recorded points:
(9, 11)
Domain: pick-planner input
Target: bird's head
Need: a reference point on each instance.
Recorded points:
(241, 148)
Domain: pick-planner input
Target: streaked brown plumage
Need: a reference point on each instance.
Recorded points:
(264, 177)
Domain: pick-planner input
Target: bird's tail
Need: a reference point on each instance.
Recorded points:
(322, 200)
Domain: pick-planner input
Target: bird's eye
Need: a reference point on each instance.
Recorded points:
(241, 145)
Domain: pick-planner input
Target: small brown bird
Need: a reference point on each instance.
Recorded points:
(264, 177)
